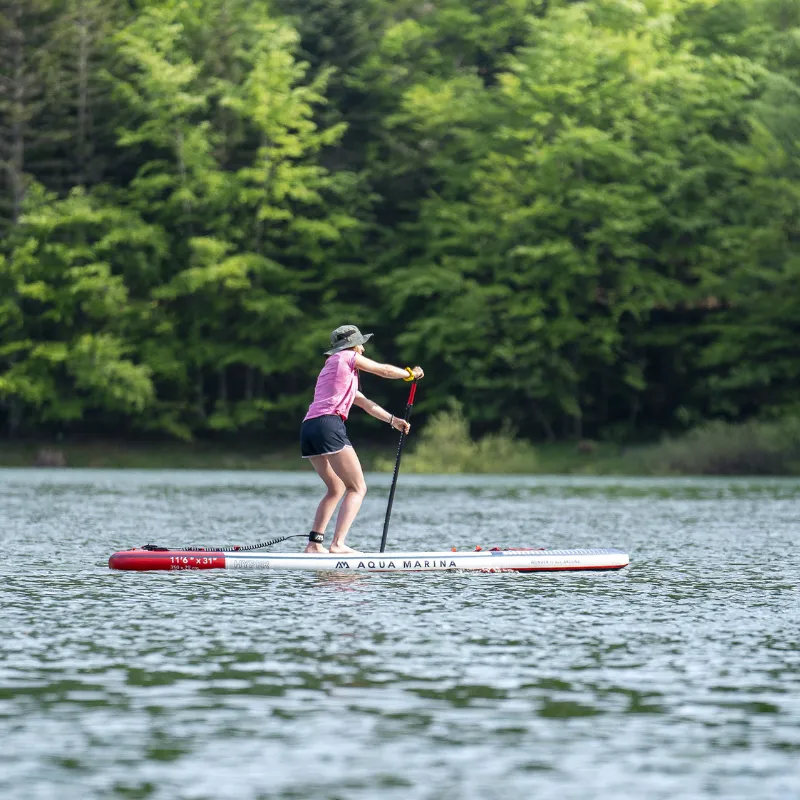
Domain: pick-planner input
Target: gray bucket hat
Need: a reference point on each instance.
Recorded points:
(346, 336)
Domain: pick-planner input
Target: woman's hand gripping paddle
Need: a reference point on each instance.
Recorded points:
(409, 406)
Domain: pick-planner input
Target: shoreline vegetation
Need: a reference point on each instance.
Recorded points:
(583, 217)
(445, 446)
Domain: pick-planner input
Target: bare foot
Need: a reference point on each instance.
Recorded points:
(342, 548)
(314, 547)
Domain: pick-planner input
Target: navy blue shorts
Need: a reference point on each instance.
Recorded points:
(323, 436)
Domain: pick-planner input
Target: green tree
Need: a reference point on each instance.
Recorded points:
(67, 312)
(24, 82)
(252, 220)
(579, 227)
(580, 216)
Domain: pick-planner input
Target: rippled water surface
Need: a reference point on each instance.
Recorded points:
(678, 677)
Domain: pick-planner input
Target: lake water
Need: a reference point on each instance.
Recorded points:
(678, 677)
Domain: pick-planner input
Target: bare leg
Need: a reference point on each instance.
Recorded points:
(347, 466)
(328, 503)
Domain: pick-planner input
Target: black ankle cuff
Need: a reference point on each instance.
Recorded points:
(317, 538)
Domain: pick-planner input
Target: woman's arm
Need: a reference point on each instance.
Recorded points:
(386, 370)
(374, 410)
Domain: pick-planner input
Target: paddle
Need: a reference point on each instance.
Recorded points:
(409, 406)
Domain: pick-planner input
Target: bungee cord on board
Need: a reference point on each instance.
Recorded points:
(224, 548)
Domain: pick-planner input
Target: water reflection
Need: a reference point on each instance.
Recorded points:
(338, 581)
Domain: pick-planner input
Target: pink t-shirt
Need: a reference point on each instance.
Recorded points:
(336, 387)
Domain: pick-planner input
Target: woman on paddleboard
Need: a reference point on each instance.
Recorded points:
(323, 436)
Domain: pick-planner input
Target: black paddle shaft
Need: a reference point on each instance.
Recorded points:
(409, 406)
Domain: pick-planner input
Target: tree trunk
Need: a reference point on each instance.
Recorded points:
(544, 422)
(578, 426)
(222, 388)
(182, 171)
(200, 398)
(15, 410)
(16, 162)
(248, 383)
(634, 412)
(84, 44)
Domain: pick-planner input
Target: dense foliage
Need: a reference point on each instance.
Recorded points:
(582, 218)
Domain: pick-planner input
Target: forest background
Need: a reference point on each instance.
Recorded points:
(582, 218)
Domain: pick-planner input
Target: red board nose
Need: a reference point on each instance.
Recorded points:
(171, 561)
